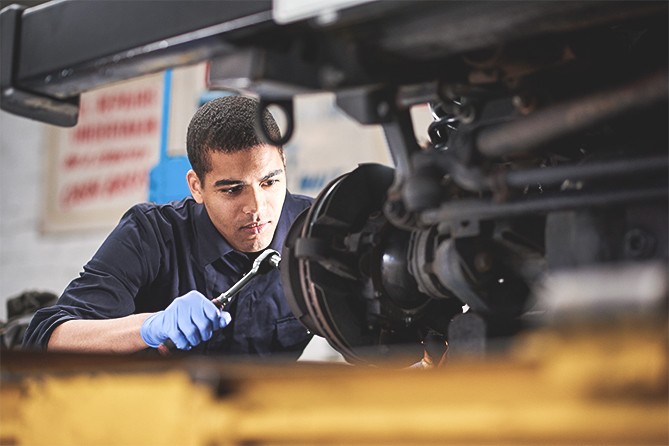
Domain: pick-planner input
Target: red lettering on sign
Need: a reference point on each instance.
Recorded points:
(118, 184)
(108, 157)
(126, 100)
(115, 130)
(101, 188)
(116, 156)
(79, 192)
(74, 160)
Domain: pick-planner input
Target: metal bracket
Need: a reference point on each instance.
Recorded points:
(61, 112)
(286, 106)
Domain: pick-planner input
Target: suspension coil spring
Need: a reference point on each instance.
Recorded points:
(446, 121)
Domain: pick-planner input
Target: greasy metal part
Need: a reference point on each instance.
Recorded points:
(459, 24)
(348, 277)
(606, 235)
(402, 144)
(268, 72)
(433, 165)
(422, 260)
(446, 117)
(473, 270)
(486, 209)
(410, 95)
(385, 106)
(292, 273)
(594, 171)
(372, 105)
(558, 121)
(450, 270)
(574, 176)
(481, 273)
(394, 276)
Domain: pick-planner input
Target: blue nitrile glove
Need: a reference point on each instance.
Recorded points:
(187, 321)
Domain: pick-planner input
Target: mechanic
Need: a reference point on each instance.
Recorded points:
(153, 277)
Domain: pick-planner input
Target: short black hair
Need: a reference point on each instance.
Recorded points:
(226, 124)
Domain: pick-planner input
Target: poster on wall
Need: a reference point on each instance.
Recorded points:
(99, 168)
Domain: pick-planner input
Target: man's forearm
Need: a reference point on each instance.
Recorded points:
(99, 335)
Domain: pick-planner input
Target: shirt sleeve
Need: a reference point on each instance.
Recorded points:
(126, 261)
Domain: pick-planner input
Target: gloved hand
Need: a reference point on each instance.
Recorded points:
(187, 321)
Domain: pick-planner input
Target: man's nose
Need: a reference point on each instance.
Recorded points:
(254, 201)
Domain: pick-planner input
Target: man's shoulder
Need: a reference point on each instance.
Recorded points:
(299, 201)
(182, 205)
(177, 209)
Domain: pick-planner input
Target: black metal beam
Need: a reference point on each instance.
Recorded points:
(53, 52)
(62, 39)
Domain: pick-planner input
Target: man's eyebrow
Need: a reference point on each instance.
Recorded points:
(271, 174)
(227, 182)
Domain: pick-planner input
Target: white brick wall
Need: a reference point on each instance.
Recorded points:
(30, 260)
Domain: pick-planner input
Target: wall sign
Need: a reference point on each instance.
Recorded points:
(99, 168)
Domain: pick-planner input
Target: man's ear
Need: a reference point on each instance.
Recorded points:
(194, 185)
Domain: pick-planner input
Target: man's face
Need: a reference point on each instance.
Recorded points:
(243, 194)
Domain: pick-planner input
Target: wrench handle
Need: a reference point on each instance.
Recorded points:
(168, 346)
(270, 256)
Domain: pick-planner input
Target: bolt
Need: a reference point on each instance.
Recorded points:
(524, 103)
(483, 262)
(382, 109)
(466, 114)
(638, 243)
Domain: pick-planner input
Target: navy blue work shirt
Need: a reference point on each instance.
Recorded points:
(160, 252)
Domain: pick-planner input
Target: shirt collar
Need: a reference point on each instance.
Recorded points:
(211, 244)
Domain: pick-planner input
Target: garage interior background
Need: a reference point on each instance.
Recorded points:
(591, 369)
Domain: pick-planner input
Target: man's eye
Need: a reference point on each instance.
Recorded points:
(232, 190)
(271, 182)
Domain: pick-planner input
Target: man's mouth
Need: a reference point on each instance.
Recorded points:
(253, 228)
